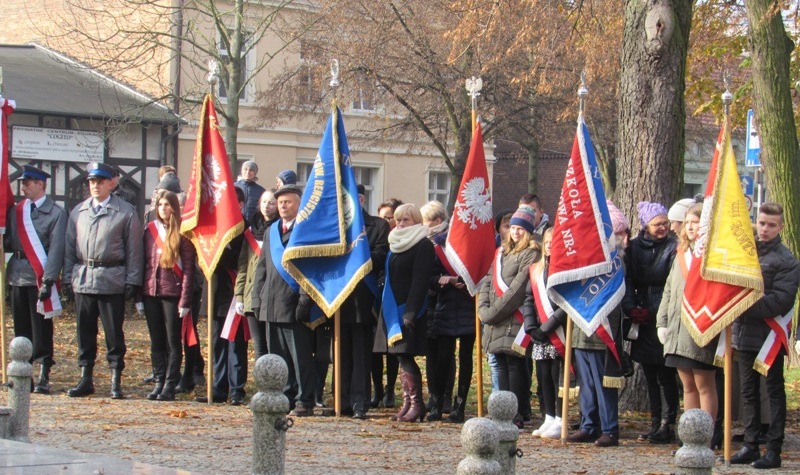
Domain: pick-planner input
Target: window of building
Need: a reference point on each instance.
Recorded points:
(439, 186)
(248, 63)
(308, 80)
(364, 100)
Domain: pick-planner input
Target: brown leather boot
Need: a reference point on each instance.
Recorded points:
(417, 409)
(406, 397)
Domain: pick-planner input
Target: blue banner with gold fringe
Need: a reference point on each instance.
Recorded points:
(328, 253)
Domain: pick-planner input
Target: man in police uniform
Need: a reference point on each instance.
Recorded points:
(103, 267)
(45, 250)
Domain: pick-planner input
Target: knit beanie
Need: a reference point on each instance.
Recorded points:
(169, 182)
(678, 211)
(619, 223)
(288, 177)
(498, 218)
(648, 211)
(524, 218)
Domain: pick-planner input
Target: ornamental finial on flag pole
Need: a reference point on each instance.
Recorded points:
(212, 78)
(727, 97)
(474, 86)
(334, 77)
(583, 91)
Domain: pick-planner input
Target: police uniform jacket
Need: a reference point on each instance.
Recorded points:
(50, 223)
(104, 251)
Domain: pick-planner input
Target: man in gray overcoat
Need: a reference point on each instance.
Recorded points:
(35, 237)
(103, 267)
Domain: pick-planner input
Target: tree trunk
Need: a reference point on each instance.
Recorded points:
(652, 109)
(633, 396)
(532, 147)
(652, 118)
(771, 48)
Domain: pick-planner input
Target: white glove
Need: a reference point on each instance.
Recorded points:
(662, 335)
(797, 347)
(140, 308)
(182, 312)
(240, 308)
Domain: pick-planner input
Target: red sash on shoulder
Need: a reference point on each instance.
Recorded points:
(443, 259)
(544, 309)
(522, 341)
(34, 250)
(254, 243)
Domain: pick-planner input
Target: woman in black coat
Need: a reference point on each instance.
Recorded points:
(648, 261)
(402, 327)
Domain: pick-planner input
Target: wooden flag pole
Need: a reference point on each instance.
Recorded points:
(727, 404)
(3, 315)
(337, 363)
(479, 359)
(210, 339)
(565, 395)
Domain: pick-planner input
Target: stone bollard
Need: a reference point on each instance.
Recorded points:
(695, 429)
(269, 407)
(479, 438)
(20, 372)
(502, 409)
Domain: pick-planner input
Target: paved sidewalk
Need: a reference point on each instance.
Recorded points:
(217, 440)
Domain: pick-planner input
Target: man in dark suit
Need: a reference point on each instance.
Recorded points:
(278, 299)
(358, 321)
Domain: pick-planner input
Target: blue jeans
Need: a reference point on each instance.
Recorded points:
(599, 405)
(495, 371)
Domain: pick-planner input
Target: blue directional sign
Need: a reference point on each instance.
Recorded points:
(748, 185)
(752, 159)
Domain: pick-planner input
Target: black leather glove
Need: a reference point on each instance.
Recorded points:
(66, 290)
(130, 291)
(538, 335)
(45, 290)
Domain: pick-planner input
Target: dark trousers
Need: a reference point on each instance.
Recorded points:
(294, 342)
(392, 366)
(548, 372)
(599, 405)
(111, 310)
(660, 377)
(750, 387)
(513, 375)
(258, 332)
(194, 365)
(356, 351)
(230, 362)
(31, 324)
(323, 357)
(164, 325)
(446, 347)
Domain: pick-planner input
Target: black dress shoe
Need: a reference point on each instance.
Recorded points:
(771, 459)
(214, 399)
(359, 414)
(745, 455)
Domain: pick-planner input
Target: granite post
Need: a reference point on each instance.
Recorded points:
(19, 372)
(269, 407)
(502, 409)
(479, 438)
(695, 430)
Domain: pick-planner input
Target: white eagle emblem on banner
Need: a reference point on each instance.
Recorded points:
(475, 203)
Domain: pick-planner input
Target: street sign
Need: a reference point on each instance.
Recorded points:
(752, 159)
(748, 185)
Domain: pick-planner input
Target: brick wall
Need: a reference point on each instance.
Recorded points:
(511, 178)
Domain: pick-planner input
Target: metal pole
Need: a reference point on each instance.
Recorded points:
(3, 277)
(212, 79)
(727, 99)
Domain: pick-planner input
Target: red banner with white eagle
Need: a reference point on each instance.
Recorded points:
(6, 195)
(211, 216)
(470, 241)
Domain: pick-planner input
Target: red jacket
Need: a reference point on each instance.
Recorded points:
(161, 282)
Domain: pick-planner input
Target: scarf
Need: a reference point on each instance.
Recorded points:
(259, 225)
(441, 227)
(401, 240)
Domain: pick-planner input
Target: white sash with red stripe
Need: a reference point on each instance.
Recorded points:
(522, 341)
(159, 233)
(254, 243)
(544, 309)
(234, 320)
(780, 329)
(34, 250)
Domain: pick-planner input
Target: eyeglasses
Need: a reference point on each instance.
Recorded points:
(660, 225)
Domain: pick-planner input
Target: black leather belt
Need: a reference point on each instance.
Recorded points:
(94, 263)
(20, 255)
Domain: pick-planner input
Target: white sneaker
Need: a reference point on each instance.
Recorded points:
(553, 431)
(547, 421)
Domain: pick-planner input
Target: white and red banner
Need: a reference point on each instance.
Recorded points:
(470, 240)
(522, 341)
(545, 311)
(234, 320)
(6, 195)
